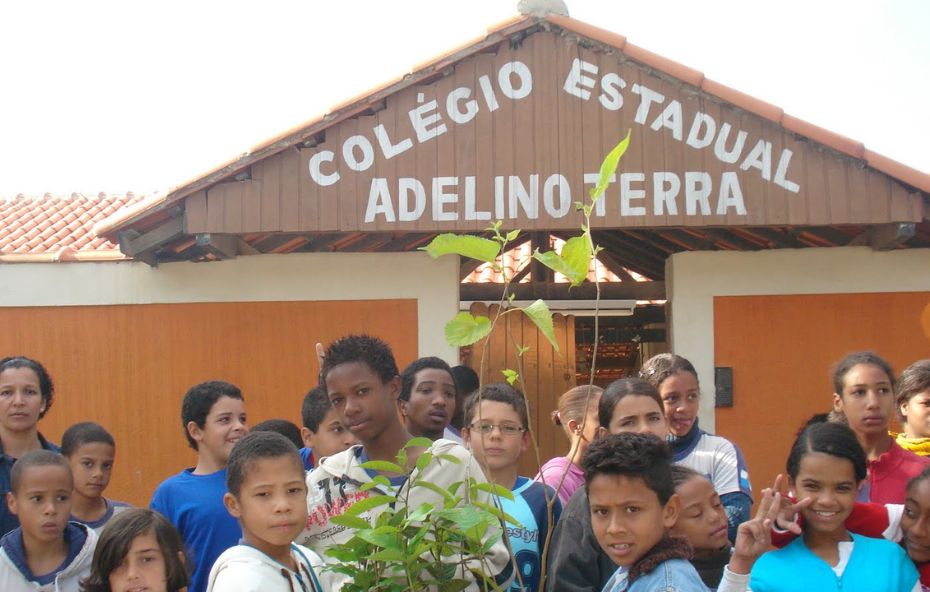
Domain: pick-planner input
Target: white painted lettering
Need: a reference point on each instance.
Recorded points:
(528, 200)
(368, 153)
(731, 195)
(600, 207)
(452, 105)
(389, 149)
(471, 211)
(426, 126)
(506, 83)
(441, 199)
(665, 188)
(702, 122)
(316, 162)
(760, 157)
(499, 197)
(407, 187)
(576, 83)
(781, 172)
(552, 183)
(628, 194)
(647, 98)
(720, 146)
(379, 201)
(611, 85)
(671, 119)
(488, 91)
(697, 190)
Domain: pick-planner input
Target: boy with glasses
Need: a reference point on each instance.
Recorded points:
(496, 430)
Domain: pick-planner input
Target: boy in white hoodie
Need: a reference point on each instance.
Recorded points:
(47, 553)
(267, 493)
(362, 382)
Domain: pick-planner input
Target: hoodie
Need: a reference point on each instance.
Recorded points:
(15, 575)
(335, 485)
(244, 568)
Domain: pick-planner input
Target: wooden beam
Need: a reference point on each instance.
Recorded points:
(687, 240)
(725, 235)
(778, 239)
(885, 237)
(133, 244)
(586, 291)
(221, 246)
(830, 234)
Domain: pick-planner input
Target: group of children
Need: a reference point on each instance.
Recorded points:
(643, 501)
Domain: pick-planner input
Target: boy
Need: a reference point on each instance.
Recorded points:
(628, 479)
(323, 433)
(213, 417)
(90, 450)
(46, 552)
(361, 380)
(268, 496)
(496, 430)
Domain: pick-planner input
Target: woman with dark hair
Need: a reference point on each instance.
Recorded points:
(26, 393)
(913, 403)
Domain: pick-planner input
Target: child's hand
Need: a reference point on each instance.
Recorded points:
(787, 518)
(754, 537)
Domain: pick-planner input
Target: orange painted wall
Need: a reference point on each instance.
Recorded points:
(782, 348)
(128, 367)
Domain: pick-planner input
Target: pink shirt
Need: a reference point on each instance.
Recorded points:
(551, 474)
(890, 472)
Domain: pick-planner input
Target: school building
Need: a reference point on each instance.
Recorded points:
(757, 245)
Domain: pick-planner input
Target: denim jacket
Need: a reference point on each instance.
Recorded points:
(8, 520)
(673, 575)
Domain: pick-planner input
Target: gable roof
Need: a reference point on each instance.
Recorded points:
(304, 135)
(51, 228)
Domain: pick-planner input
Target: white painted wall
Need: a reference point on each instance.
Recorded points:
(693, 279)
(293, 277)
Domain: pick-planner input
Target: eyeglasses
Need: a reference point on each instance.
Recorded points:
(507, 429)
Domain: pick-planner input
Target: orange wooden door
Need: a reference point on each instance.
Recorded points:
(782, 349)
(128, 367)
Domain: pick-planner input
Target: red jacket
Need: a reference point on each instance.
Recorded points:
(890, 472)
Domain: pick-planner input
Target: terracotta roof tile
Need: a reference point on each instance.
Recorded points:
(58, 228)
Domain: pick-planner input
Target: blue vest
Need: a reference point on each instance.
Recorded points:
(875, 565)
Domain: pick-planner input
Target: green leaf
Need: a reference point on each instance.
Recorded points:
(435, 489)
(421, 513)
(464, 517)
(353, 522)
(383, 536)
(425, 459)
(542, 318)
(512, 235)
(369, 503)
(576, 253)
(419, 442)
(382, 466)
(495, 489)
(609, 166)
(466, 329)
(388, 555)
(466, 245)
(453, 585)
(449, 458)
(510, 375)
(375, 482)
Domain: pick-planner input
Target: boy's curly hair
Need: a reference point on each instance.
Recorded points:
(632, 455)
(360, 348)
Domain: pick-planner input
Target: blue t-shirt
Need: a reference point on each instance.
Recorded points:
(528, 539)
(113, 508)
(306, 455)
(194, 504)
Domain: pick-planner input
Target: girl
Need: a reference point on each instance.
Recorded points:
(90, 449)
(138, 550)
(913, 403)
(677, 382)
(703, 522)
(863, 394)
(576, 560)
(577, 414)
(26, 393)
(827, 465)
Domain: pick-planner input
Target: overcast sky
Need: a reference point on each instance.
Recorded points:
(125, 95)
